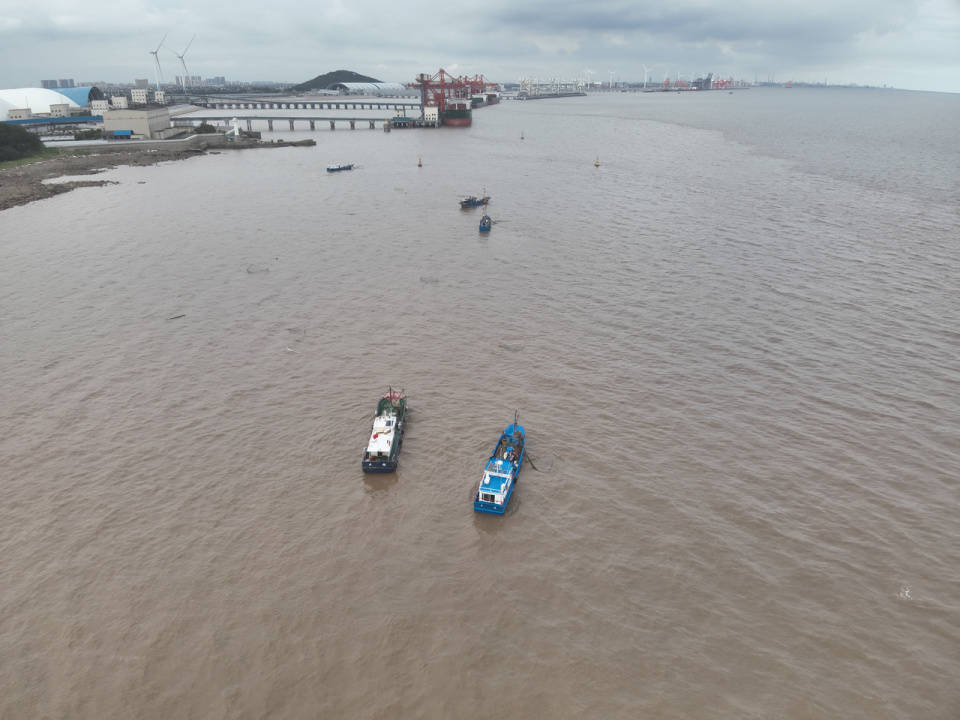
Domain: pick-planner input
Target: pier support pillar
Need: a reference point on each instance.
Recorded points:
(249, 125)
(313, 124)
(333, 125)
(270, 125)
(371, 125)
(291, 126)
(353, 125)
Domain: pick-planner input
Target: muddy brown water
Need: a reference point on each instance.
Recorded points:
(733, 346)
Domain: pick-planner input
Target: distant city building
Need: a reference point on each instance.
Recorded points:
(19, 114)
(218, 80)
(99, 107)
(186, 81)
(119, 102)
(60, 110)
(49, 84)
(138, 96)
(159, 97)
(66, 83)
(142, 83)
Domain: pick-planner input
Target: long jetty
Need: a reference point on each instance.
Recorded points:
(337, 104)
(192, 120)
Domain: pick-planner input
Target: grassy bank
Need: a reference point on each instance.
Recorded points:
(44, 154)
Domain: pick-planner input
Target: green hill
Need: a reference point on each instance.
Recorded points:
(322, 82)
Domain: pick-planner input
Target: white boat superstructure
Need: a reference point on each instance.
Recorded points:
(382, 436)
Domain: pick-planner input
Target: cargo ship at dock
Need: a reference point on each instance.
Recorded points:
(451, 98)
(457, 113)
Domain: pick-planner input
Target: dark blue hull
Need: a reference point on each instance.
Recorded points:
(386, 466)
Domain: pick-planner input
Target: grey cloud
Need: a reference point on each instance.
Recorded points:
(696, 22)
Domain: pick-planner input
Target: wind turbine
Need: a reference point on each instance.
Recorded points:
(646, 70)
(186, 74)
(156, 59)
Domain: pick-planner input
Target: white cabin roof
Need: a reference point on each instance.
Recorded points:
(381, 437)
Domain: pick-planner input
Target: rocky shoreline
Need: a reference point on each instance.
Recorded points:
(25, 183)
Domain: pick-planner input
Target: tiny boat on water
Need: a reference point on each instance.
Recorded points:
(485, 223)
(386, 436)
(473, 201)
(501, 471)
(339, 168)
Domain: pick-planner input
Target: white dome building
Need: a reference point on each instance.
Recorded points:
(39, 100)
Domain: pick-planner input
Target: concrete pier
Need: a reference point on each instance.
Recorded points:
(359, 104)
(249, 121)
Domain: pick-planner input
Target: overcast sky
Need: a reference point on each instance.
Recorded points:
(903, 43)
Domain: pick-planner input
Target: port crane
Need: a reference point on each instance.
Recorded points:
(436, 88)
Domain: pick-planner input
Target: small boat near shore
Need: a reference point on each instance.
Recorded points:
(485, 223)
(339, 168)
(501, 471)
(386, 435)
(472, 201)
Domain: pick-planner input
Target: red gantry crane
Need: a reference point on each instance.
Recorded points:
(434, 90)
(476, 84)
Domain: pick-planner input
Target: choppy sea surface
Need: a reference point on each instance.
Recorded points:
(734, 346)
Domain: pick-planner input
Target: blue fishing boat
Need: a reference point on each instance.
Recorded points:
(386, 436)
(501, 471)
(472, 201)
(339, 168)
(485, 223)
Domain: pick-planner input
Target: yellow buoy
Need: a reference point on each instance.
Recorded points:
(596, 163)
(419, 162)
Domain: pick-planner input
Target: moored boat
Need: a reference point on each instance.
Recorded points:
(386, 435)
(472, 201)
(485, 223)
(501, 471)
(339, 168)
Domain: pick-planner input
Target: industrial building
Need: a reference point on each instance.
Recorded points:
(40, 101)
(150, 123)
(372, 89)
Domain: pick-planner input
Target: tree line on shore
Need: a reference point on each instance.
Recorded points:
(17, 143)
